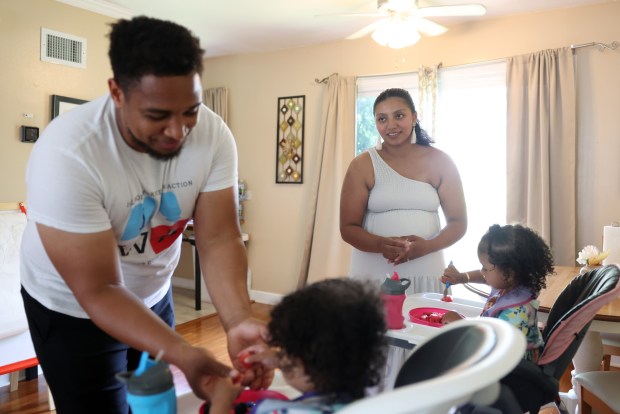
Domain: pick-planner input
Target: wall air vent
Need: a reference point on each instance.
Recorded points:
(62, 48)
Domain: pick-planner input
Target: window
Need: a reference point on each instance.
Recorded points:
(368, 88)
(470, 126)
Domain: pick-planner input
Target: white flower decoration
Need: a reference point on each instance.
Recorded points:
(591, 256)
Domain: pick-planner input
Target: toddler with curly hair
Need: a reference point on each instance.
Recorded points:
(515, 263)
(328, 339)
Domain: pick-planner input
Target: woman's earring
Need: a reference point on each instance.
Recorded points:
(379, 143)
(414, 137)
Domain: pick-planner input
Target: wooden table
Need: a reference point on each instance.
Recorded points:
(588, 356)
(188, 237)
(556, 283)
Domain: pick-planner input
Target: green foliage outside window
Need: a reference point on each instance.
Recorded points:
(365, 132)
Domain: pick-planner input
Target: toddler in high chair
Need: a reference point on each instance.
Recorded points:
(328, 340)
(515, 264)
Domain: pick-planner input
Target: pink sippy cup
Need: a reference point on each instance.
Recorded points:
(393, 294)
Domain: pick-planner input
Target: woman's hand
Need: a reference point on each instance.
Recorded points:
(413, 247)
(395, 249)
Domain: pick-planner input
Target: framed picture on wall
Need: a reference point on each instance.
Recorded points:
(61, 104)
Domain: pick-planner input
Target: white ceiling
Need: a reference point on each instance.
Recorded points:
(228, 27)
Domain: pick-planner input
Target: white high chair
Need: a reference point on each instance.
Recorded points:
(462, 363)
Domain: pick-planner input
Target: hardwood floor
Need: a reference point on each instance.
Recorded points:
(184, 306)
(31, 396)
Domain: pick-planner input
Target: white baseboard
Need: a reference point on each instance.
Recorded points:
(183, 283)
(256, 295)
(266, 297)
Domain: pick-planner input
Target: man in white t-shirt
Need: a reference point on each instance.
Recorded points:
(111, 185)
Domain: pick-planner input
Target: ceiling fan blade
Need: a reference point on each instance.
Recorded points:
(376, 14)
(365, 31)
(427, 27)
(447, 11)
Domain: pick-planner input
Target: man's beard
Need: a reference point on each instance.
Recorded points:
(150, 151)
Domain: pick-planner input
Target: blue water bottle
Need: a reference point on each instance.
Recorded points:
(150, 388)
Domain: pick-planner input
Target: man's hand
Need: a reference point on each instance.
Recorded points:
(249, 333)
(201, 369)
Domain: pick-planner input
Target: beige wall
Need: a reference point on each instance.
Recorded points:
(276, 215)
(27, 83)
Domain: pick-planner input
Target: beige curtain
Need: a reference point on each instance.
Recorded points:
(326, 255)
(541, 148)
(217, 100)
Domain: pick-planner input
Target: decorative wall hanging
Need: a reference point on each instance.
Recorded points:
(290, 140)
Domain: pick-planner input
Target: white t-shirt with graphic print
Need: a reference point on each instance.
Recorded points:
(82, 177)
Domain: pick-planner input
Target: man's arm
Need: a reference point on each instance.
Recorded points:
(90, 266)
(222, 254)
(225, 267)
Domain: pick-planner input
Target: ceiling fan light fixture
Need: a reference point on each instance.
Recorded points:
(396, 34)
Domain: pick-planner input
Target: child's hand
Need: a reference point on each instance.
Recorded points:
(450, 317)
(256, 361)
(222, 394)
(451, 275)
(259, 354)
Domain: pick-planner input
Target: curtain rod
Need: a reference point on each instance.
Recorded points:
(325, 79)
(601, 46)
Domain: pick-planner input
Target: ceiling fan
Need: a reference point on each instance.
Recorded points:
(402, 21)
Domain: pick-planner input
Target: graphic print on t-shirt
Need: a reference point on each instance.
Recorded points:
(142, 214)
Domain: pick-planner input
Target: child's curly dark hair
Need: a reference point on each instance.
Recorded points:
(521, 250)
(336, 327)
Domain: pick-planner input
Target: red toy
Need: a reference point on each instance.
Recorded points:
(243, 357)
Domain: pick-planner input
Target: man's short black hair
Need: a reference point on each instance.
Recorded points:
(147, 46)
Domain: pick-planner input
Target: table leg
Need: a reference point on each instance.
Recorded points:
(197, 279)
(587, 358)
